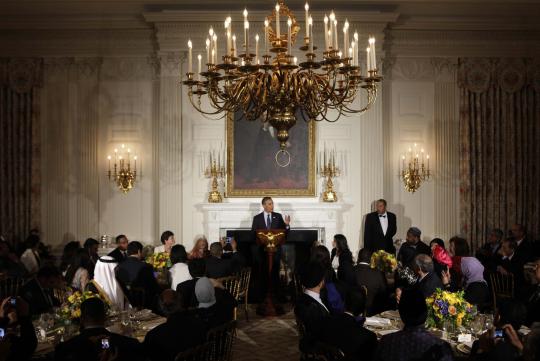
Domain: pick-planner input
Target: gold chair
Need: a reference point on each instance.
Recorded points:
(197, 353)
(502, 286)
(243, 288)
(221, 339)
(231, 284)
(10, 287)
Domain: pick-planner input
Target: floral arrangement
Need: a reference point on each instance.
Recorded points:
(71, 308)
(448, 306)
(159, 261)
(383, 261)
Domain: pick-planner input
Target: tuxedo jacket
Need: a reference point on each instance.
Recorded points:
(117, 255)
(314, 317)
(134, 273)
(377, 287)
(374, 238)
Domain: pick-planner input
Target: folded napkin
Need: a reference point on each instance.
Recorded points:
(386, 332)
(377, 321)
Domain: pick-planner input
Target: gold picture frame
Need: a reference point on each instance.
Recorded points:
(308, 185)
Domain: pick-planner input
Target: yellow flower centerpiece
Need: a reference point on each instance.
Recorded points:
(383, 261)
(446, 306)
(71, 308)
(159, 261)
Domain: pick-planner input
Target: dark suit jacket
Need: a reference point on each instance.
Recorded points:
(314, 317)
(429, 284)
(117, 255)
(374, 238)
(87, 346)
(525, 251)
(345, 271)
(134, 273)
(181, 332)
(40, 300)
(346, 333)
(260, 223)
(377, 287)
(223, 267)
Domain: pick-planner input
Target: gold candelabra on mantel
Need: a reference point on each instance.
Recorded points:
(326, 168)
(271, 84)
(215, 170)
(122, 173)
(414, 169)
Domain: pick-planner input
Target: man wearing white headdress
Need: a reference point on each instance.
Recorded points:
(105, 281)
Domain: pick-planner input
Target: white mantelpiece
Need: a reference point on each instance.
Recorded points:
(221, 216)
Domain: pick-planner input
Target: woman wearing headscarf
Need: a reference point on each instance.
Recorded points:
(105, 283)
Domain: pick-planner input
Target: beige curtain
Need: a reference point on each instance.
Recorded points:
(19, 146)
(500, 145)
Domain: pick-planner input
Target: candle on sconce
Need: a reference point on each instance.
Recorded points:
(135, 166)
(215, 49)
(346, 35)
(356, 48)
(368, 62)
(326, 44)
(212, 56)
(373, 57)
(109, 159)
(199, 58)
(331, 38)
(311, 38)
(289, 25)
(257, 48)
(278, 31)
(336, 37)
(266, 24)
(246, 37)
(207, 51)
(234, 45)
(190, 56)
(306, 7)
(211, 43)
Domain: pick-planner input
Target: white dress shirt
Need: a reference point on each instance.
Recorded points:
(317, 297)
(179, 273)
(383, 218)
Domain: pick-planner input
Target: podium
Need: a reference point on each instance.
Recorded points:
(270, 239)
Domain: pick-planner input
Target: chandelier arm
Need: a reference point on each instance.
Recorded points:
(371, 96)
(199, 108)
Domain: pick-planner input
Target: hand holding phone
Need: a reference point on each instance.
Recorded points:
(105, 345)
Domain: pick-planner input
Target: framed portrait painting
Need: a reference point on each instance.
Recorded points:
(252, 170)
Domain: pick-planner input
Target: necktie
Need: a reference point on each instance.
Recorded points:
(382, 215)
(268, 222)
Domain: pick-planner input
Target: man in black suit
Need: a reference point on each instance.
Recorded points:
(181, 332)
(346, 332)
(428, 281)
(38, 292)
(133, 274)
(525, 248)
(120, 252)
(217, 266)
(379, 229)
(309, 308)
(268, 219)
(488, 253)
(512, 262)
(375, 282)
(95, 342)
(412, 247)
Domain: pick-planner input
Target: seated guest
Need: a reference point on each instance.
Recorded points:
(181, 332)
(69, 252)
(211, 310)
(458, 248)
(120, 252)
(197, 269)
(414, 342)
(106, 284)
(200, 249)
(217, 267)
(77, 275)
(346, 331)
(167, 242)
(474, 284)
(512, 263)
(533, 305)
(428, 281)
(412, 247)
(309, 308)
(510, 316)
(16, 345)
(9, 263)
(488, 254)
(525, 248)
(91, 246)
(95, 342)
(30, 257)
(133, 273)
(342, 260)
(375, 282)
(38, 292)
(179, 271)
(333, 293)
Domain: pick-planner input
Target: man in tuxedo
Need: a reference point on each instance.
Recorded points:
(120, 252)
(38, 292)
(379, 228)
(267, 219)
(95, 342)
(133, 273)
(375, 282)
(346, 331)
(309, 308)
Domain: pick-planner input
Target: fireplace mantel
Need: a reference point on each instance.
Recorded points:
(239, 214)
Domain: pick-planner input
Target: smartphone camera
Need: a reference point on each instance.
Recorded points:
(2, 333)
(105, 344)
(499, 333)
(228, 240)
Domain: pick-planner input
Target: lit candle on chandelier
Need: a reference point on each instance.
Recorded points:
(356, 48)
(373, 58)
(368, 65)
(115, 156)
(257, 48)
(207, 51)
(278, 32)
(246, 37)
(234, 45)
(266, 24)
(326, 32)
(135, 159)
(289, 27)
(295, 60)
(215, 49)
(109, 159)
(346, 36)
(190, 63)
(331, 38)
(199, 58)
(311, 39)
(306, 7)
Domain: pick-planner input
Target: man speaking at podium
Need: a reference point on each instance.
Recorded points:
(267, 219)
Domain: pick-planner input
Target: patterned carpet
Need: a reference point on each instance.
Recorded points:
(266, 339)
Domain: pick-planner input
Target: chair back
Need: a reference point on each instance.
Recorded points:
(221, 339)
(10, 286)
(502, 286)
(231, 284)
(243, 289)
(198, 353)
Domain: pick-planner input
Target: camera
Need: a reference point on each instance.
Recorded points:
(105, 344)
(499, 333)
(2, 333)
(228, 240)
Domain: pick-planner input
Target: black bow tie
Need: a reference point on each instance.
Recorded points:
(382, 215)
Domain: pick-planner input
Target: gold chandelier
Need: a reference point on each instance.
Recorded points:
(275, 88)
(414, 169)
(122, 174)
